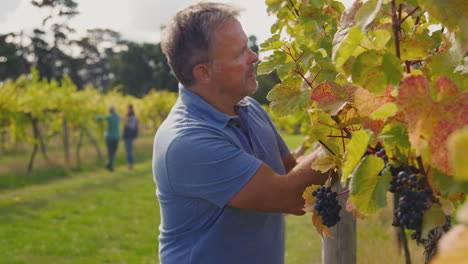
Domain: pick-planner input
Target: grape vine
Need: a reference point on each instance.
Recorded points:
(385, 90)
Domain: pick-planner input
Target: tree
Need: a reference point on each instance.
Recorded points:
(12, 61)
(140, 68)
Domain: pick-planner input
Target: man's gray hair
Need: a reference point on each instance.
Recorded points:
(187, 37)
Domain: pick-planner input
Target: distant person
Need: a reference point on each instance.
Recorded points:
(129, 134)
(112, 135)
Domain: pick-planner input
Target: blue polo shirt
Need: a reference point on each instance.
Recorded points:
(201, 159)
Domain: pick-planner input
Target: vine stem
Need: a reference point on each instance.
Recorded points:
(343, 192)
(410, 13)
(396, 29)
(325, 146)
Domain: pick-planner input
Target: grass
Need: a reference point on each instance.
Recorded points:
(94, 216)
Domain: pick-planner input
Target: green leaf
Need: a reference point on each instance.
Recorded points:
(395, 135)
(284, 69)
(265, 67)
(458, 146)
(367, 72)
(433, 217)
(380, 38)
(288, 96)
(385, 111)
(416, 46)
(447, 184)
(368, 189)
(447, 12)
(348, 46)
(391, 65)
(367, 13)
(271, 63)
(355, 149)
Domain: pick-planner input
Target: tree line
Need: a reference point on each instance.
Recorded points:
(102, 57)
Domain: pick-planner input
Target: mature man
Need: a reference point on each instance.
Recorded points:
(223, 173)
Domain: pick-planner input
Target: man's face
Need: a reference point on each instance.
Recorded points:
(233, 61)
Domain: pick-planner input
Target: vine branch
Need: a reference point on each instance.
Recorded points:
(409, 14)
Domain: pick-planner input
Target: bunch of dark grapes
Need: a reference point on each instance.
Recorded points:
(327, 206)
(413, 201)
(411, 207)
(403, 179)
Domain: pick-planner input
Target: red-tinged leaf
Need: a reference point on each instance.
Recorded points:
(366, 103)
(432, 121)
(446, 89)
(317, 221)
(329, 96)
(351, 207)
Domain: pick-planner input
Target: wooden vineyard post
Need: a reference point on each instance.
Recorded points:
(341, 249)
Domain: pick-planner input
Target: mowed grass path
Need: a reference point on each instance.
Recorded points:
(98, 217)
(102, 217)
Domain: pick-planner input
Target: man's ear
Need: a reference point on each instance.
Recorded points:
(202, 73)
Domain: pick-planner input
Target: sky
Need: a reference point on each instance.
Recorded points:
(137, 20)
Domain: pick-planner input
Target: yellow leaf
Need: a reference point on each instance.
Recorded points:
(457, 145)
(351, 207)
(309, 199)
(317, 221)
(324, 164)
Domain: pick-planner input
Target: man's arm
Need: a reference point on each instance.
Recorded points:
(270, 192)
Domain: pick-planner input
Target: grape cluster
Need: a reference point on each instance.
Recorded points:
(327, 206)
(413, 201)
(404, 180)
(411, 207)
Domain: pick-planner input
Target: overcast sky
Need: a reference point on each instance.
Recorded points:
(137, 20)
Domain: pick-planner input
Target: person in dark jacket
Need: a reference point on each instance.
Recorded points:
(129, 134)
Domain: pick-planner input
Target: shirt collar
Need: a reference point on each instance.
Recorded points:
(205, 110)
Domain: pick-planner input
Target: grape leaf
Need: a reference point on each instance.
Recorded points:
(322, 127)
(368, 189)
(355, 149)
(416, 46)
(457, 145)
(271, 63)
(433, 217)
(346, 23)
(447, 12)
(309, 199)
(350, 207)
(385, 111)
(329, 96)
(431, 121)
(446, 185)
(366, 103)
(324, 164)
(287, 97)
(367, 13)
(317, 221)
(374, 72)
(394, 137)
(348, 46)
